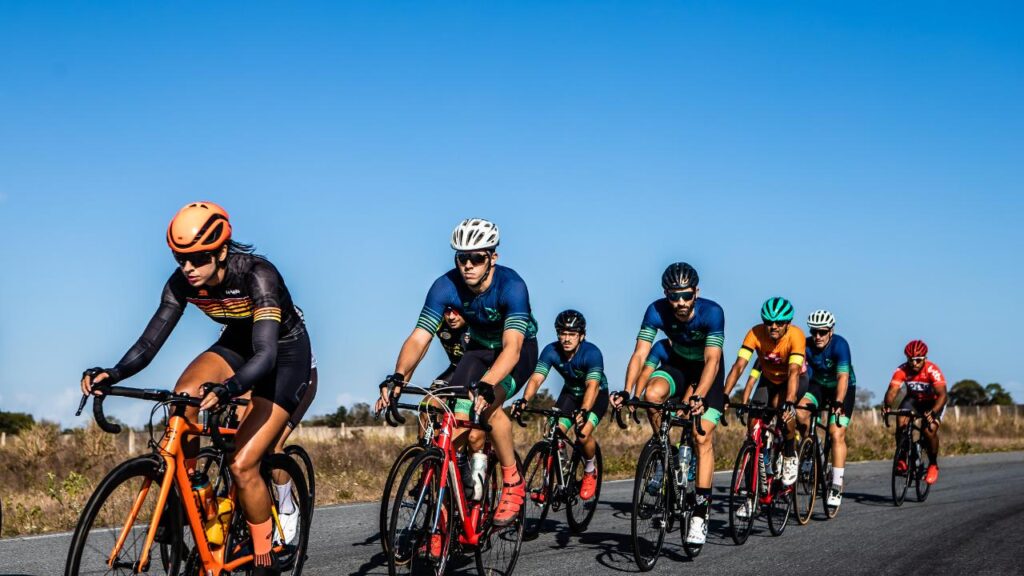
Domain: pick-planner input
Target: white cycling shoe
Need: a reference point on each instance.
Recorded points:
(698, 531)
(744, 510)
(789, 468)
(289, 525)
(835, 497)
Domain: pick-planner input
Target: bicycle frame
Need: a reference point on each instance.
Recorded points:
(758, 436)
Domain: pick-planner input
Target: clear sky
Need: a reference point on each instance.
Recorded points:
(862, 156)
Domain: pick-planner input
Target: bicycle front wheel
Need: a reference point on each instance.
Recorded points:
(650, 507)
(920, 486)
(538, 477)
(111, 535)
(415, 548)
(806, 487)
(743, 494)
(901, 473)
(387, 498)
(500, 545)
(826, 483)
(579, 511)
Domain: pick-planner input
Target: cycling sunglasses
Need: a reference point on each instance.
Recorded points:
(776, 323)
(684, 295)
(820, 332)
(917, 358)
(476, 258)
(197, 259)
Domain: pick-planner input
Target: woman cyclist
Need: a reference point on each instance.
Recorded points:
(264, 348)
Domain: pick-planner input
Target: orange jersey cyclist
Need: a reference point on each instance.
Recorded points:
(696, 328)
(926, 394)
(832, 380)
(502, 342)
(780, 349)
(264, 348)
(585, 393)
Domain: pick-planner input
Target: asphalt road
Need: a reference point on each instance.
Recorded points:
(972, 523)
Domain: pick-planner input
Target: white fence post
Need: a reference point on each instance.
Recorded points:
(3, 439)
(956, 412)
(131, 441)
(874, 417)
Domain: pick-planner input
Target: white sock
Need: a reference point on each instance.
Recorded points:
(837, 476)
(285, 504)
(590, 466)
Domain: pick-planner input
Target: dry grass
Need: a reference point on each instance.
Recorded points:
(46, 477)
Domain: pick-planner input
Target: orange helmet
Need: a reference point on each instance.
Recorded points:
(199, 227)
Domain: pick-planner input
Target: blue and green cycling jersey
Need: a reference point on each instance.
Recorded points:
(828, 363)
(660, 353)
(586, 364)
(505, 305)
(706, 329)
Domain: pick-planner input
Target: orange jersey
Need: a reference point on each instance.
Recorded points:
(775, 357)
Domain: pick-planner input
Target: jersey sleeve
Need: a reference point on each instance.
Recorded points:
(264, 284)
(516, 303)
(547, 357)
(938, 379)
(750, 345)
(172, 306)
(594, 364)
(442, 293)
(650, 325)
(842, 357)
(715, 328)
(798, 346)
(658, 354)
(898, 378)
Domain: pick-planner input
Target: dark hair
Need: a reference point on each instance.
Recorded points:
(235, 247)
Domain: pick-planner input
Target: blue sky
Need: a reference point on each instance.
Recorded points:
(864, 158)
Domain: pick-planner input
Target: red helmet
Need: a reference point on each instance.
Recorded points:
(915, 348)
(199, 227)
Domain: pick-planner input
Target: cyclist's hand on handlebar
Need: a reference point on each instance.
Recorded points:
(216, 394)
(390, 389)
(94, 376)
(788, 411)
(484, 396)
(696, 406)
(619, 398)
(518, 406)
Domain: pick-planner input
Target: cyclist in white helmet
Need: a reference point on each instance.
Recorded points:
(502, 343)
(832, 381)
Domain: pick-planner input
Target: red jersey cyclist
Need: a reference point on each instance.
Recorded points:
(263, 348)
(926, 394)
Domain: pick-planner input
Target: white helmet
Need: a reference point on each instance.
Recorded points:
(475, 234)
(821, 319)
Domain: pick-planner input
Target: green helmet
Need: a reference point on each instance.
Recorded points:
(777, 309)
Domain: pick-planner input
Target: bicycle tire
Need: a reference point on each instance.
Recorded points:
(921, 488)
(807, 481)
(743, 487)
(91, 545)
(291, 554)
(395, 474)
(420, 492)
(826, 482)
(499, 548)
(900, 483)
(647, 546)
(299, 454)
(578, 512)
(538, 489)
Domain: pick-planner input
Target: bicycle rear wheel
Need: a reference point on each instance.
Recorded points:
(920, 486)
(301, 457)
(500, 545)
(650, 507)
(806, 488)
(743, 493)
(580, 512)
(387, 499)
(780, 506)
(289, 498)
(132, 485)
(538, 476)
(901, 479)
(826, 484)
(413, 517)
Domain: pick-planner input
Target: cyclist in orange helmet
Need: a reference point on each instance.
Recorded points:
(264, 348)
(926, 394)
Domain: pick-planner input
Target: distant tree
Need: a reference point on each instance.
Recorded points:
(14, 422)
(995, 395)
(967, 393)
(360, 415)
(542, 399)
(862, 400)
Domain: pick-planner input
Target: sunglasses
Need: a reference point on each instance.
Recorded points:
(197, 259)
(917, 358)
(776, 323)
(476, 258)
(820, 332)
(685, 295)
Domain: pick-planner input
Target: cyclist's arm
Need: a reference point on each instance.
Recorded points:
(712, 360)
(265, 287)
(940, 398)
(413, 351)
(592, 389)
(511, 345)
(636, 363)
(793, 379)
(645, 377)
(172, 306)
(843, 379)
(532, 385)
(890, 394)
(737, 370)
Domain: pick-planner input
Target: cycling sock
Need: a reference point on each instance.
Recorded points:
(590, 465)
(837, 476)
(261, 534)
(285, 503)
(789, 447)
(510, 474)
(703, 502)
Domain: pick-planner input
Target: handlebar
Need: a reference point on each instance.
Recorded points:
(664, 407)
(394, 418)
(905, 412)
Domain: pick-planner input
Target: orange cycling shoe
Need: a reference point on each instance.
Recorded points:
(932, 475)
(589, 485)
(512, 496)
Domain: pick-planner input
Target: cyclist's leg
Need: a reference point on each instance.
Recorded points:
(790, 427)
(838, 432)
(714, 405)
(902, 422)
(501, 425)
(762, 395)
(216, 364)
(586, 433)
(811, 399)
(660, 387)
(931, 437)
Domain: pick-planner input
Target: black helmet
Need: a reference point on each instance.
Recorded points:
(679, 276)
(570, 321)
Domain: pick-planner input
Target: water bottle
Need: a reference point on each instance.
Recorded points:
(691, 474)
(685, 470)
(217, 526)
(477, 471)
(203, 494)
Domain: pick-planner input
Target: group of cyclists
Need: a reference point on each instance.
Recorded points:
(480, 311)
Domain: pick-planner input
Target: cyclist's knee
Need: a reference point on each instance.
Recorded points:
(244, 469)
